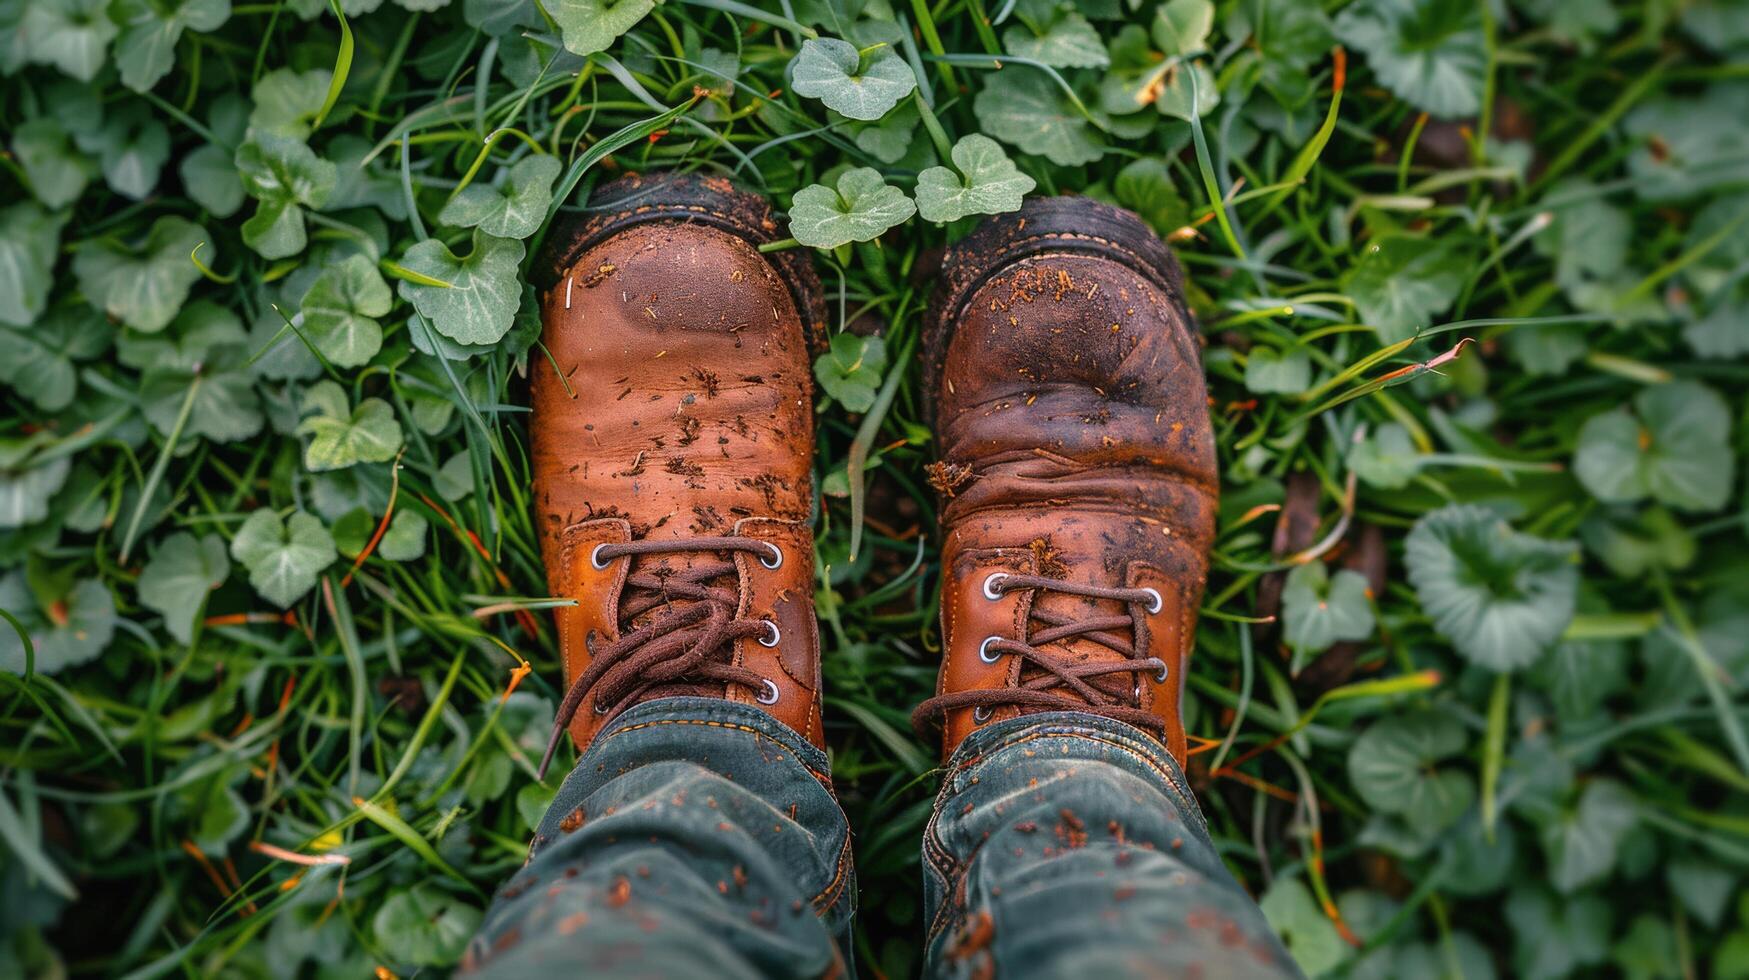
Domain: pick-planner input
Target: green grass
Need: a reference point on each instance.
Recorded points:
(1401, 314)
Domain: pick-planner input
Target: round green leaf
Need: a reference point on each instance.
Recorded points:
(28, 251)
(1499, 596)
(514, 208)
(1067, 40)
(73, 630)
(1402, 282)
(987, 183)
(861, 85)
(142, 288)
(341, 436)
(851, 370)
(341, 308)
(479, 304)
(1319, 609)
(1024, 108)
(1673, 447)
(1430, 52)
(589, 26)
(425, 926)
(860, 209)
(176, 581)
(1394, 766)
(71, 35)
(283, 557)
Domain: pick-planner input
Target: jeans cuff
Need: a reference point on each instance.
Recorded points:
(1148, 757)
(724, 716)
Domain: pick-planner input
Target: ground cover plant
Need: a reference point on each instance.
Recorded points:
(1468, 696)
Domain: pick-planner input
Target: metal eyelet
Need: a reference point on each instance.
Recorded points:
(990, 592)
(984, 653)
(1165, 671)
(777, 557)
(768, 694)
(1157, 603)
(595, 558)
(772, 636)
(599, 709)
(980, 715)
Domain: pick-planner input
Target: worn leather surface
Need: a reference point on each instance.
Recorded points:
(684, 410)
(1070, 386)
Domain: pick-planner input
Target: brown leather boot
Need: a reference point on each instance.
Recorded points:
(672, 455)
(1079, 466)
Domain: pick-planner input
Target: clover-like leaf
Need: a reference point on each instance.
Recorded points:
(142, 287)
(1674, 446)
(1432, 53)
(37, 361)
(859, 84)
(1554, 937)
(27, 487)
(860, 209)
(1401, 282)
(1309, 935)
(480, 301)
(1680, 151)
(1174, 84)
(405, 538)
(146, 50)
(341, 308)
(889, 138)
(425, 925)
(287, 102)
(1290, 36)
(1145, 186)
(588, 26)
(1387, 458)
(209, 176)
(1499, 596)
(1181, 27)
(283, 556)
(57, 171)
(1319, 609)
(1581, 843)
(1067, 40)
(850, 370)
(1271, 371)
(285, 176)
(28, 249)
(72, 629)
(132, 148)
(176, 581)
(71, 35)
(1396, 767)
(206, 350)
(1632, 544)
(514, 208)
(987, 183)
(1024, 108)
(343, 436)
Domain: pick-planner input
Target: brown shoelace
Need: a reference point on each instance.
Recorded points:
(1051, 681)
(686, 649)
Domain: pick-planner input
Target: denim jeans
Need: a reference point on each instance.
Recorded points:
(701, 837)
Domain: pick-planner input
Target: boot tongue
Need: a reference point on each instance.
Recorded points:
(1082, 570)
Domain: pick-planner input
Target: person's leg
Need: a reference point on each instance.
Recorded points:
(671, 440)
(1067, 844)
(696, 837)
(1070, 407)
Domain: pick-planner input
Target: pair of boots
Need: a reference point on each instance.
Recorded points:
(673, 441)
